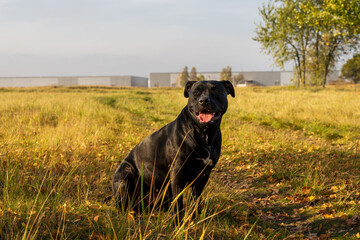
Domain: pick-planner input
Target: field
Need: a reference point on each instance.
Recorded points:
(290, 164)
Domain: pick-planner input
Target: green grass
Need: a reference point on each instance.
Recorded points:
(289, 167)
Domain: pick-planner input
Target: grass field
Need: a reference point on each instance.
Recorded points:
(290, 164)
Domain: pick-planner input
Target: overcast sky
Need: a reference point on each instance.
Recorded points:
(128, 37)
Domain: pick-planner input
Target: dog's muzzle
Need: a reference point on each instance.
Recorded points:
(206, 116)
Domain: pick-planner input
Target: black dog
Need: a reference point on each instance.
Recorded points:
(179, 155)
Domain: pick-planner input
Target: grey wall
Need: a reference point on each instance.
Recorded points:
(266, 78)
(160, 79)
(126, 81)
(287, 77)
(67, 81)
(269, 78)
(97, 81)
(28, 82)
(333, 76)
(120, 81)
(139, 81)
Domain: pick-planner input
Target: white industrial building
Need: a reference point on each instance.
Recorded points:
(121, 81)
(265, 78)
(261, 78)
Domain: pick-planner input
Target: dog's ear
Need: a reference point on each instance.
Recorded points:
(229, 88)
(188, 88)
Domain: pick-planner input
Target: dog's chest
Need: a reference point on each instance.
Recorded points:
(207, 157)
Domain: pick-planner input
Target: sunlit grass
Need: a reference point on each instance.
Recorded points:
(287, 154)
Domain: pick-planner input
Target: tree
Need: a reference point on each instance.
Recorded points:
(184, 77)
(226, 73)
(351, 69)
(193, 74)
(237, 79)
(312, 33)
(285, 35)
(201, 77)
(336, 31)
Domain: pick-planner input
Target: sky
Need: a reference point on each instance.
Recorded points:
(128, 37)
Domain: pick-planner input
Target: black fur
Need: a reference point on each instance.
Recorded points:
(181, 153)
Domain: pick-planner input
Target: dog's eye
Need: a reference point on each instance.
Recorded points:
(214, 89)
(196, 92)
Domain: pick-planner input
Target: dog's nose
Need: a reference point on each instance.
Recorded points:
(204, 100)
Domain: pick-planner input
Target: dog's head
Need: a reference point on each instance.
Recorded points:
(208, 100)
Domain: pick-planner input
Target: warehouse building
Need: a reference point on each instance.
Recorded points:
(265, 78)
(260, 78)
(120, 81)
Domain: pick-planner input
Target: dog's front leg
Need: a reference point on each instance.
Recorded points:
(199, 186)
(197, 189)
(177, 198)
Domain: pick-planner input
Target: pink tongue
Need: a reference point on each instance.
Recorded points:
(205, 117)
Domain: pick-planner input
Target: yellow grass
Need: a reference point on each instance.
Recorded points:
(286, 152)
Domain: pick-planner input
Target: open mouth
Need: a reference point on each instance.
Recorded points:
(207, 116)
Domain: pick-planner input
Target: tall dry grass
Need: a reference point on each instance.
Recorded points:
(60, 147)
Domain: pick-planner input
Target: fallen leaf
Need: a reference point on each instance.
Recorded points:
(96, 218)
(311, 198)
(305, 189)
(276, 191)
(328, 216)
(238, 168)
(324, 236)
(335, 188)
